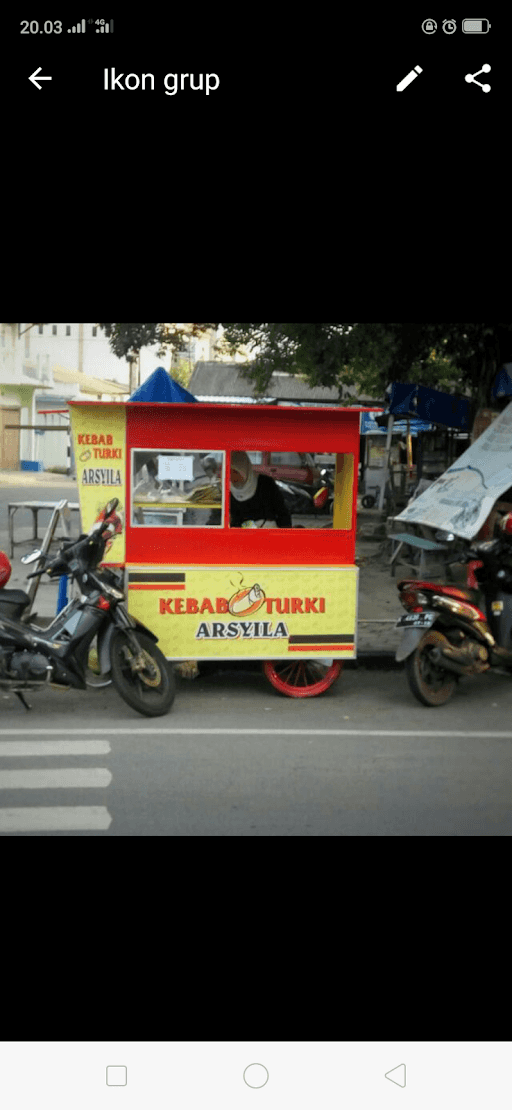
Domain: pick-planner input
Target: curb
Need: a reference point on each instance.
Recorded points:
(370, 656)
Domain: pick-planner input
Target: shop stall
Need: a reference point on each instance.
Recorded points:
(208, 589)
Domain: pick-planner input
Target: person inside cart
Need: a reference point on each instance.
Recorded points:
(254, 496)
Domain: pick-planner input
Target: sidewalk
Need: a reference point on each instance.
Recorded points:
(378, 607)
(33, 478)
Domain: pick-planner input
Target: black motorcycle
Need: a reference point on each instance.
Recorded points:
(32, 657)
(296, 499)
(300, 500)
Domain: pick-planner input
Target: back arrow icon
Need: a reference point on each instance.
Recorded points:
(37, 74)
(399, 1075)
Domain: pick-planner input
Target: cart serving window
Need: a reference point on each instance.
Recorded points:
(177, 488)
(185, 488)
(210, 576)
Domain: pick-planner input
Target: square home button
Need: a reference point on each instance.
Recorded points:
(116, 1076)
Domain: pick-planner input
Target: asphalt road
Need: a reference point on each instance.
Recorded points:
(234, 758)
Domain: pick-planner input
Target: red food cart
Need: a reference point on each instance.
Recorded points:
(208, 590)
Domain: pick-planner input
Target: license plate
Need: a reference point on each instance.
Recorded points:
(416, 620)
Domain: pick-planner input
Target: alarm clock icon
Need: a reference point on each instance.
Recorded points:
(449, 26)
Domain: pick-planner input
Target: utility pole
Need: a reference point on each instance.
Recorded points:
(387, 471)
(132, 359)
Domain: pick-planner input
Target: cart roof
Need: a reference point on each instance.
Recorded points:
(215, 406)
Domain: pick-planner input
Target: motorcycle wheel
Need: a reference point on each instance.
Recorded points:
(301, 678)
(368, 502)
(430, 683)
(152, 697)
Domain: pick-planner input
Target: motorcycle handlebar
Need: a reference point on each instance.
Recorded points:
(480, 552)
(71, 549)
(61, 556)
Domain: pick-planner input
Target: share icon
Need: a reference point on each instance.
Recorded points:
(472, 77)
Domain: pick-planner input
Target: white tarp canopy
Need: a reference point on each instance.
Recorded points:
(462, 498)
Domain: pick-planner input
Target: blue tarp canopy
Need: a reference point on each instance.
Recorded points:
(430, 404)
(161, 387)
(370, 427)
(502, 386)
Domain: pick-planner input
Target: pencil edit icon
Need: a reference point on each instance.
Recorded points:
(410, 77)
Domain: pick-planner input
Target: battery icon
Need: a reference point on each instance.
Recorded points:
(475, 26)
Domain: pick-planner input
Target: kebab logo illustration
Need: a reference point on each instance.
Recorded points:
(242, 604)
(246, 600)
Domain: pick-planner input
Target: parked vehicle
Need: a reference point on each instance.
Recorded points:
(451, 631)
(296, 499)
(287, 466)
(32, 657)
(324, 497)
(299, 500)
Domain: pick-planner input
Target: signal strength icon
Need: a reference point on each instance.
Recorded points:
(103, 27)
(80, 27)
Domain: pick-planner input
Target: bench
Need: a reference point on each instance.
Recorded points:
(425, 545)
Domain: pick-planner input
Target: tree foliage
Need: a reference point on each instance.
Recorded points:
(458, 358)
(126, 340)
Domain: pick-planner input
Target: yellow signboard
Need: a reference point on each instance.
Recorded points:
(99, 441)
(247, 612)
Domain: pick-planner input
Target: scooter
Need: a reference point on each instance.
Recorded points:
(296, 499)
(324, 497)
(33, 657)
(450, 631)
(299, 500)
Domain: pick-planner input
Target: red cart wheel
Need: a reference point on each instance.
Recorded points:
(301, 678)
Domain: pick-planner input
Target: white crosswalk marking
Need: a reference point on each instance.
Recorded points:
(53, 818)
(46, 779)
(53, 747)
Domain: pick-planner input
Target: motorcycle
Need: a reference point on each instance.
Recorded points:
(299, 500)
(296, 499)
(451, 631)
(324, 497)
(32, 657)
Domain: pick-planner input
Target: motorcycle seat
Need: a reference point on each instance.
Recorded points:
(463, 593)
(14, 597)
